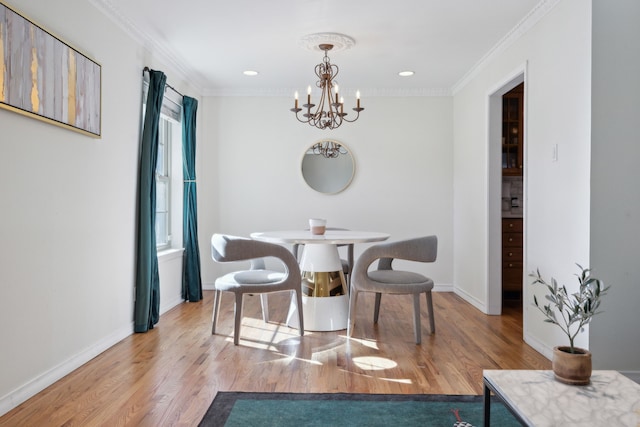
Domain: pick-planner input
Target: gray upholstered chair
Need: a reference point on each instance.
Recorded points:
(386, 280)
(256, 280)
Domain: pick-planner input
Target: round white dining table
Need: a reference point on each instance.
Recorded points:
(322, 309)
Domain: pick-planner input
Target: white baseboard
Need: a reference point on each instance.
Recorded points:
(169, 305)
(471, 299)
(538, 345)
(442, 287)
(49, 377)
(43, 381)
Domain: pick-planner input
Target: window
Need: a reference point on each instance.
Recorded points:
(163, 184)
(168, 172)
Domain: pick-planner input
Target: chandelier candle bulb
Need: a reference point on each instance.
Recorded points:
(309, 95)
(296, 96)
(358, 98)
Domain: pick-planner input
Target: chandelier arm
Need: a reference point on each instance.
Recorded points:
(301, 120)
(357, 110)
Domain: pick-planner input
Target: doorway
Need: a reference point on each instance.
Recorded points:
(512, 196)
(506, 194)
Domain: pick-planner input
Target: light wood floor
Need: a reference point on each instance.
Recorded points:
(170, 375)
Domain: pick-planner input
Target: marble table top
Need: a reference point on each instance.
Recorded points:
(610, 400)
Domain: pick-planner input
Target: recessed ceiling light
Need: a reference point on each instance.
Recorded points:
(250, 73)
(406, 73)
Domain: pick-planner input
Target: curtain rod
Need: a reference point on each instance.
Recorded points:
(147, 69)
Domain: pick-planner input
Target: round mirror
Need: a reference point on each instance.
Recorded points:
(328, 166)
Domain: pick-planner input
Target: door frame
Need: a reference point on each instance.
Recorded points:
(494, 186)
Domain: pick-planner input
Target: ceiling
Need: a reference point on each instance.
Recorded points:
(211, 42)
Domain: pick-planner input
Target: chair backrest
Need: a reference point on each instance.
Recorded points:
(227, 248)
(420, 249)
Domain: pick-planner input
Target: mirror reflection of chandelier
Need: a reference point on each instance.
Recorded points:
(328, 149)
(329, 112)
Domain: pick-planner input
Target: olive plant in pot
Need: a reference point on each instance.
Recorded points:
(571, 312)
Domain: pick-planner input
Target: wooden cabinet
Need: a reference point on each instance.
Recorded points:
(512, 259)
(512, 130)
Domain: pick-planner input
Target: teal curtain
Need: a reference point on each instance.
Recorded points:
(191, 281)
(147, 305)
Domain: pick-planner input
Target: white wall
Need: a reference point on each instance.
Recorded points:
(584, 206)
(615, 201)
(68, 215)
(250, 178)
(556, 55)
(68, 201)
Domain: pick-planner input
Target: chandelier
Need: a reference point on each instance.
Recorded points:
(328, 149)
(329, 114)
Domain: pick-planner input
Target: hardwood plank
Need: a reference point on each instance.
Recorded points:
(170, 375)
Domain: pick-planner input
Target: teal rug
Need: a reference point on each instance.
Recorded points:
(230, 409)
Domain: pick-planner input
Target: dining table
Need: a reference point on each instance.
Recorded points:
(325, 294)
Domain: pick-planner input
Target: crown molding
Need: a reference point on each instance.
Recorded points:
(525, 24)
(344, 42)
(365, 92)
(161, 51)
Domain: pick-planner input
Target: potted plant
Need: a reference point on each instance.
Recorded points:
(571, 364)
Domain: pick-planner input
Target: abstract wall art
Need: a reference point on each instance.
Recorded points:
(43, 77)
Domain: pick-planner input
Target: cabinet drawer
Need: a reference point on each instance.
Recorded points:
(510, 256)
(512, 276)
(512, 267)
(511, 239)
(511, 286)
(511, 224)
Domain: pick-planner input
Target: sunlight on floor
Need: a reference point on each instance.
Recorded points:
(265, 337)
(367, 343)
(288, 359)
(397, 380)
(284, 343)
(372, 363)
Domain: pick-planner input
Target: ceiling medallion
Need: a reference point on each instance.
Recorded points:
(339, 41)
(329, 114)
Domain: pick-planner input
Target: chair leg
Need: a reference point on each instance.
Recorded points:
(416, 318)
(350, 262)
(264, 300)
(238, 318)
(351, 317)
(376, 307)
(300, 316)
(216, 309)
(432, 323)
